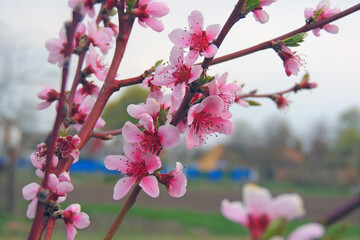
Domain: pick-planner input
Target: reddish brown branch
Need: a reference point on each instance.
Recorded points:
(341, 211)
(76, 81)
(108, 135)
(269, 43)
(49, 228)
(233, 18)
(125, 209)
(40, 220)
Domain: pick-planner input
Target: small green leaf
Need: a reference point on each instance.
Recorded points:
(306, 77)
(130, 4)
(158, 63)
(294, 41)
(205, 79)
(253, 103)
(252, 4)
(276, 228)
(318, 12)
(162, 116)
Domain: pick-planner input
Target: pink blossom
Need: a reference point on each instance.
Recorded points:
(88, 6)
(148, 13)
(95, 65)
(206, 118)
(226, 91)
(179, 71)
(291, 61)
(73, 219)
(152, 139)
(151, 107)
(100, 37)
(259, 14)
(68, 146)
(138, 167)
(240, 100)
(198, 40)
(321, 12)
(259, 209)
(60, 186)
(175, 181)
(309, 231)
(88, 89)
(155, 91)
(49, 95)
(30, 192)
(56, 48)
(81, 111)
(281, 102)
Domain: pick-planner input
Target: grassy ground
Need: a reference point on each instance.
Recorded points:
(158, 222)
(153, 223)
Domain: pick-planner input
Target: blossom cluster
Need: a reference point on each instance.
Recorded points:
(259, 211)
(206, 114)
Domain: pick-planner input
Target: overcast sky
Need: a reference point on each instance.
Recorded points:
(332, 60)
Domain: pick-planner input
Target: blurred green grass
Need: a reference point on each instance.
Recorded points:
(153, 223)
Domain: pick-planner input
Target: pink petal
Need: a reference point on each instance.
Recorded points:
(212, 31)
(70, 232)
(330, 28)
(116, 162)
(267, 2)
(169, 136)
(133, 152)
(31, 210)
(53, 183)
(152, 107)
(100, 123)
(196, 22)
(213, 104)
(157, 9)
(210, 51)
(30, 191)
(147, 122)
(261, 16)
(308, 12)
(316, 32)
(177, 57)
(64, 188)
(154, 24)
(292, 66)
(235, 211)
(122, 187)
(131, 132)
(195, 73)
(323, 4)
(43, 105)
(177, 187)
(81, 220)
(195, 109)
(75, 208)
(308, 231)
(152, 163)
(180, 38)
(288, 206)
(257, 199)
(192, 139)
(136, 110)
(150, 186)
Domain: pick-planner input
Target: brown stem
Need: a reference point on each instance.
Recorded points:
(49, 228)
(233, 18)
(110, 85)
(268, 95)
(40, 220)
(76, 82)
(125, 209)
(108, 135)
(341, 211)
(269, 43)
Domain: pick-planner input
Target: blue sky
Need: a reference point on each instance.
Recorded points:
(332, 60)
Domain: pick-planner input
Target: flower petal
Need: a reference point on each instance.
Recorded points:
(122, 187)
(308, 231)
(169, 136)
(150, 186)
(131, 132)
(257, 199)
(235, 211)
(30, 191)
